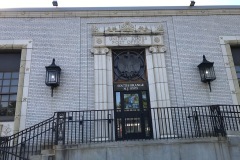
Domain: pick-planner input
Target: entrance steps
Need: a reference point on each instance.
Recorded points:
(45, 155)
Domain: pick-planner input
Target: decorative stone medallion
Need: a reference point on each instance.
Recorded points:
(99, 41)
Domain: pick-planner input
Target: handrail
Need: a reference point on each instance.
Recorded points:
(29, 141)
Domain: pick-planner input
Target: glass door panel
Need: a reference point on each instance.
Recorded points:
(118, 101)
(133, 125)
(144, 100)
(119, 127)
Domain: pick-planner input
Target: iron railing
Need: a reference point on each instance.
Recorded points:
(193, 122)
(29, 141)
(94, 126)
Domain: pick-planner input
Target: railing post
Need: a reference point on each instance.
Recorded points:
(110, 126)
(196, 124)
(3, 147)
(217, 120)
(60, 127)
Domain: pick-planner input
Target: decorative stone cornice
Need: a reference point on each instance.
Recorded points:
(128, 34)
(118, 12)
(157, 49)
(99, 51)
(127, 28)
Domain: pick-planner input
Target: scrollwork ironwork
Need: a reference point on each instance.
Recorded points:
(129, 65)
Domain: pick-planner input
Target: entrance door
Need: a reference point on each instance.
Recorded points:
(133, 116)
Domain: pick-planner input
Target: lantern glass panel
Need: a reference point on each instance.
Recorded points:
(209, 73)
(52, 77)
(202, 74)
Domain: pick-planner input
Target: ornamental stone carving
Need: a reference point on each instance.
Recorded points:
(94, 29)
(6, 130)
(99, 41)
(142, 29)
(162, 49)
(159, 29)
(99, 51)
(111, 30)
(128, 28)
(128, 34)
(157, 49)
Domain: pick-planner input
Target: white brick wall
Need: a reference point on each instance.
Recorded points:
(68, 40)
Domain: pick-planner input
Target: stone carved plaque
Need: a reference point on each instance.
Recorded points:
(131, 40)
(128, 40)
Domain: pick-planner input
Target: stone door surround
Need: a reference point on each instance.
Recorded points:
(129, 35)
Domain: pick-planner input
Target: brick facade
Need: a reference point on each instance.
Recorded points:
(69, 41)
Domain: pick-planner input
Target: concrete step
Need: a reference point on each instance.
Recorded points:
(35, 157)
(42, 157)
(48, 154)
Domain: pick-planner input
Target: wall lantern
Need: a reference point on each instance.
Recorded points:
(55, 3)
(192, 3)
(53, 75)
(206, 70)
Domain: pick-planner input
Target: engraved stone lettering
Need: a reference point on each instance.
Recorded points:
(128, 40)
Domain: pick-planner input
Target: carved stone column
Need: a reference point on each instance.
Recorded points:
(103, 91)
(100, 78)
(158, 88)
(160, 75)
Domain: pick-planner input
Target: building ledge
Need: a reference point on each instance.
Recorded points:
(119, 11)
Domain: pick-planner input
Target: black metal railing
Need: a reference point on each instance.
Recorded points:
(29, 141)
(73, 127)
(94, 126)
(196, 121)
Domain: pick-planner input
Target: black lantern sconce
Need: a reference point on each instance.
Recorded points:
(55, 3)
(192, 3)
(207, 72)
(53, 75)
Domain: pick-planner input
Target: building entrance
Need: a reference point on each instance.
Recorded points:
(131, 97)
(133, 116)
